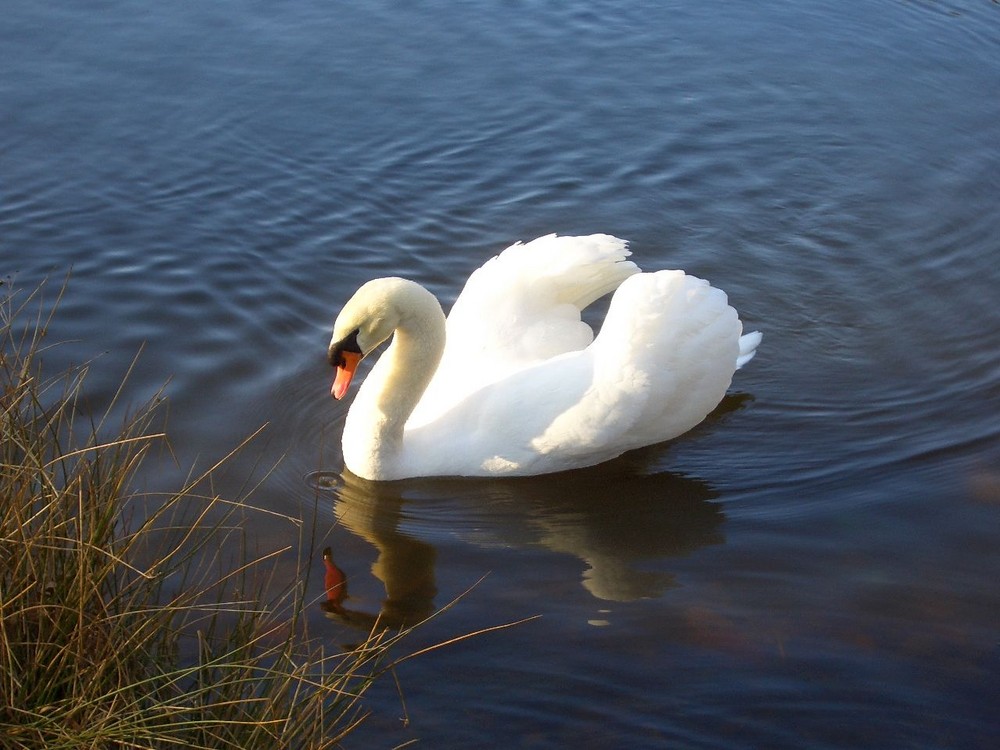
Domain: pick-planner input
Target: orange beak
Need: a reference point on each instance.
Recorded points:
(344, 355)
(345, 371)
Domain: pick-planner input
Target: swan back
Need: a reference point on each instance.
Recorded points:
(663, 360)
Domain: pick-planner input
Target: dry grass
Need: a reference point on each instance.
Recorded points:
(120, 626)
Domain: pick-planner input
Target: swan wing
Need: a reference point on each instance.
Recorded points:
(521, 308)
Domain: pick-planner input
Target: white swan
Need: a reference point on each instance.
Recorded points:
(514, 383)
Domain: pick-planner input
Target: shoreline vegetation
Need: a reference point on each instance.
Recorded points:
(122, 625)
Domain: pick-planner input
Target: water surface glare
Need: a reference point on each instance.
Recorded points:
(814, 567)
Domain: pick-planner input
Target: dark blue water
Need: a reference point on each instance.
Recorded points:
(815, 567)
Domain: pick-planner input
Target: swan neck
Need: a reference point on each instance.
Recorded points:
(387, 398)
(411, 360)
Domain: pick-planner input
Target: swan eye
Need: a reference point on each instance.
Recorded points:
(347, 344)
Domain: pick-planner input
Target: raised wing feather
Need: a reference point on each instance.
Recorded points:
(523, 307)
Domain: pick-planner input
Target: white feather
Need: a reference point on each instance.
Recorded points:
(523, 387)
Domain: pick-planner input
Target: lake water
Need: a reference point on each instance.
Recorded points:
(817, 566)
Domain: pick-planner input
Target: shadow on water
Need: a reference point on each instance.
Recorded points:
(616, 520)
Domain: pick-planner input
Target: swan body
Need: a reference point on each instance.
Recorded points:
(514, 383)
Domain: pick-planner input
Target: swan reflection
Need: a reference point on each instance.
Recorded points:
(617, 522)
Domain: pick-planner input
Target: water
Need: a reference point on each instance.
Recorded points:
(816, 566)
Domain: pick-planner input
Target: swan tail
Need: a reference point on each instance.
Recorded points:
(748, 347)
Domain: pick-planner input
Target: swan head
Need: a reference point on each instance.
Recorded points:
(370, 317)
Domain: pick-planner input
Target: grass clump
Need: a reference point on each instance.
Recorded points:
(120, 626)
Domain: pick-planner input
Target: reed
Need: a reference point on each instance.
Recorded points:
(121, 625)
